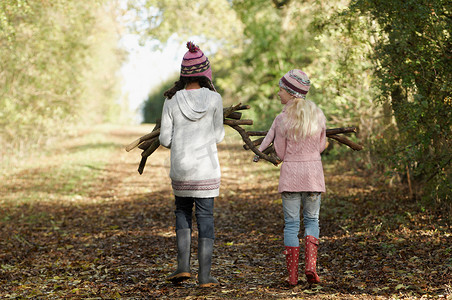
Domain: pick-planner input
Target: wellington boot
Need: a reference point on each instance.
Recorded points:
(310, 251)
(292, 255)
(205, 249)
(183, 237)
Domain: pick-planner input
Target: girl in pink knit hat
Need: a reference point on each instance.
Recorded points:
(192, 126)
(299, 136)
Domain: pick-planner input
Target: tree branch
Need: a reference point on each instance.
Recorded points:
(251, 146)
(150, 142)
(154, 133)
(346, 141)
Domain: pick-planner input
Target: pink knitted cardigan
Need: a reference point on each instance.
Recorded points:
(302, 169)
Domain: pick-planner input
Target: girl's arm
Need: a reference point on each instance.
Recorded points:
(280, 146)
(166, 129)
(218, 121)
(279, 142)
(269, 137)
(322, 144)
(322, 139)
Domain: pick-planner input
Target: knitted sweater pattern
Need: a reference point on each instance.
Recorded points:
(302, 169)
(192, 126)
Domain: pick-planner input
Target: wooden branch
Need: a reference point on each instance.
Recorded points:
(154, 133)
(269, 149)
(237, 122)
(242, 107)
(341, 130)
(330, 133)
(346, 141)
(257, 133)
(247, 140)
(146, 144)
(235, 115)
(142, 164)
(255, 143)
(146, 153)
(229, 110)
(138, 141)
(150, 142)
(151, 148)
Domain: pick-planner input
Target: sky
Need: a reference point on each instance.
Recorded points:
(146, 68)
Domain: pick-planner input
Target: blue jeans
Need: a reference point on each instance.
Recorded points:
(203, 213)
(291, 207)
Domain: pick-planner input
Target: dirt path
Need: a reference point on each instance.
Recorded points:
(117, 240)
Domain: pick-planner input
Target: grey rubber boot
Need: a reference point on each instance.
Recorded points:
(205, 249)
(183, 237)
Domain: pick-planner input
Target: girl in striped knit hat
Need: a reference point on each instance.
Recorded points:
(299, 136)
(191, 126)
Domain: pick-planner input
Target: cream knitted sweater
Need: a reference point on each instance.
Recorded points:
(192, 126)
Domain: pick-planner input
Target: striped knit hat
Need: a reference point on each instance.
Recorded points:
(296, 83)
(195, 63)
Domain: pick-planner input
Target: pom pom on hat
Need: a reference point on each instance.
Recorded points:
(192, 47)
(195, 63)
(296, 83)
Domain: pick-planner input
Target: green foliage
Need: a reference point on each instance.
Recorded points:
(152, 107)
(313, 37)
(212, 24)
(185, 19)
(272, 37)
(383, 66)
(283, 36)
(413, 65)
(57, 68)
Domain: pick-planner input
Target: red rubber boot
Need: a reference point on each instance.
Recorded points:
(292, 254)
(310, 251)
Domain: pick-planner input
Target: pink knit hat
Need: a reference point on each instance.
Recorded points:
(296, 83)
(195, 63)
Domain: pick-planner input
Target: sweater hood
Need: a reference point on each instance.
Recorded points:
(193, 103)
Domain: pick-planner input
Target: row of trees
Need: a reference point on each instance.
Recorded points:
(58, 68)
(382, 65)
(413, 69)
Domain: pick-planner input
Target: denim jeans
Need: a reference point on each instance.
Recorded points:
(203, 212)
(291, 207)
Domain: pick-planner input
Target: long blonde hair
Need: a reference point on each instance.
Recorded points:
(302, 119)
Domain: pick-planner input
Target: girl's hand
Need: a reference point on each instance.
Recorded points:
(256, 158)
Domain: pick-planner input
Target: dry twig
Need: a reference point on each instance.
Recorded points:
(150, 142)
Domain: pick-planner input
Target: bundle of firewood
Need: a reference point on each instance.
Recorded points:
(232, 117)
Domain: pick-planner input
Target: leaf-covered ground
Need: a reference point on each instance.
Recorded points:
(81, 223)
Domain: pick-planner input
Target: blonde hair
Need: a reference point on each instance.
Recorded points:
(302, 119)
